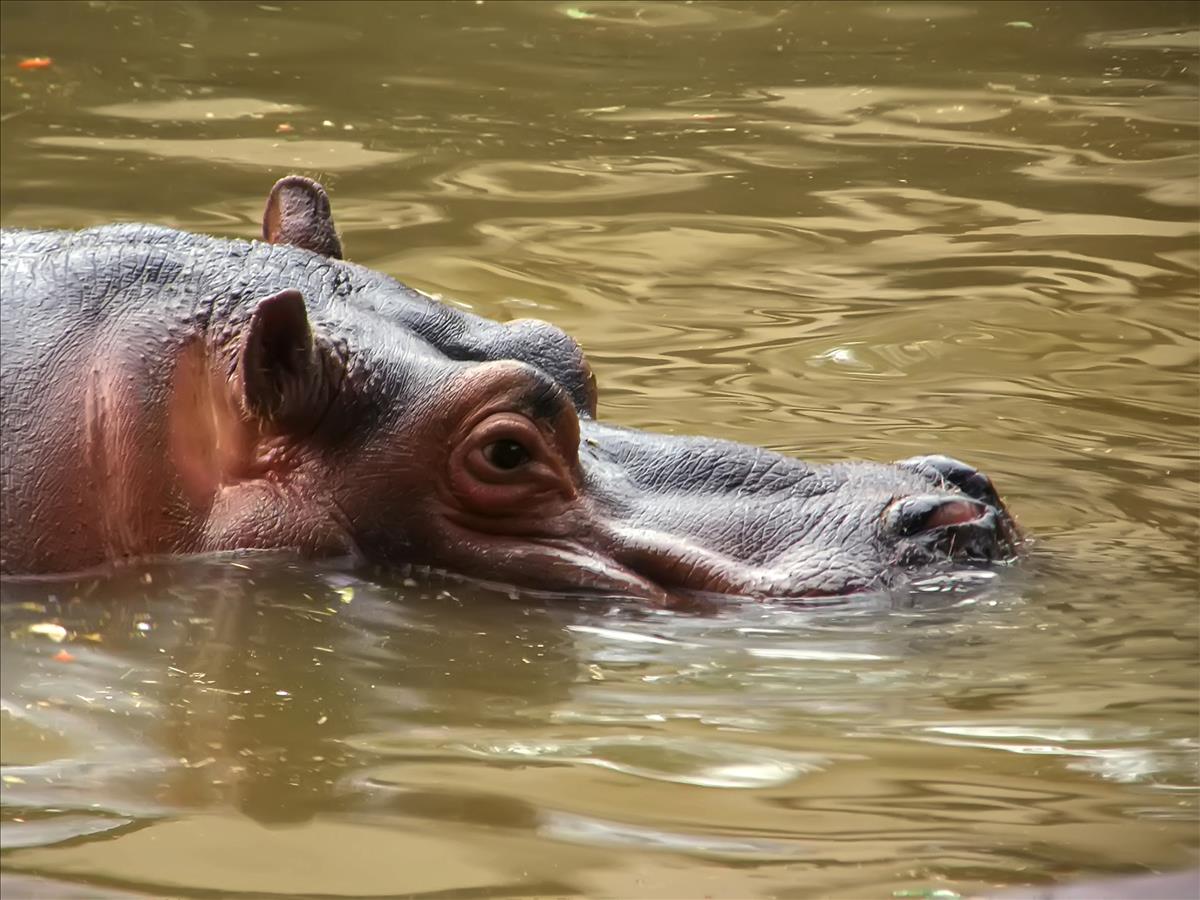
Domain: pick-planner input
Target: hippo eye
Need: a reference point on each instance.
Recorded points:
(506, 454)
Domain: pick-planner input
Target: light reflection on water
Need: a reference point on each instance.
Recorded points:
(834, 229)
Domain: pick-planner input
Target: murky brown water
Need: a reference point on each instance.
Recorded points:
(838, 229)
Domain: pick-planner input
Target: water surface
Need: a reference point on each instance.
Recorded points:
(836, 229)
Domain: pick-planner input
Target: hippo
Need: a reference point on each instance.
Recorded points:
(165, 392)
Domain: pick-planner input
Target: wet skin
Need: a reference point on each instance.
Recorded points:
(165, 392)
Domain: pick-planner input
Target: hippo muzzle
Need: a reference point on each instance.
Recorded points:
(698, 515)
(527, 489)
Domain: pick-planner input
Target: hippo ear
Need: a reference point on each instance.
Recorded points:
(298, 213)
(280, 377)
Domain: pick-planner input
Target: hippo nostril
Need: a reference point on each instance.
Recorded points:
(956, 512)
(913, 515)
(966, 478)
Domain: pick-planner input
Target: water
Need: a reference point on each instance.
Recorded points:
(839, 230)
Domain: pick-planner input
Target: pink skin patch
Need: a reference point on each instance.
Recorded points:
(956, 512)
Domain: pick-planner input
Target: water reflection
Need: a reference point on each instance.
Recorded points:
(177, 696)
(574, 181)
(331, 156)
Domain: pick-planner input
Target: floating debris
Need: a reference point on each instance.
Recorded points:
(36, 62)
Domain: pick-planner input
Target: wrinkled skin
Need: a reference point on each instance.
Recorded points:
(166, 392)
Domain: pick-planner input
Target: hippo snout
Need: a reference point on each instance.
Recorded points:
(965, 520)
(698, 515)
(956, 474)
(956, 528)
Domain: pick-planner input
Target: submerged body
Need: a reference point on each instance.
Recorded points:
(166, 392)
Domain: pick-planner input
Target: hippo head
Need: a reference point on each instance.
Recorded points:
(422, 435)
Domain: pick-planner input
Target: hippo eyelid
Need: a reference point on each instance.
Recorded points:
(545, 400)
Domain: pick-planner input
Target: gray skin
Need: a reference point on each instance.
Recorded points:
(165, 392)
